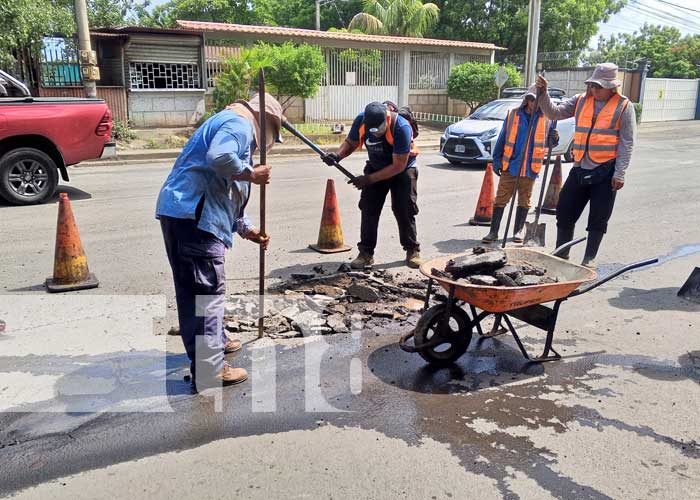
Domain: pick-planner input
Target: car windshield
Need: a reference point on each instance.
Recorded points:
(494, 110)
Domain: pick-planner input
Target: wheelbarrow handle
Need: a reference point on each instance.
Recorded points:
(317, 149)
(614, 275)
(560, 249)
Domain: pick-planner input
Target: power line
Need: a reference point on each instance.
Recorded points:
(665, 18)
(681, 17)
(678, 6)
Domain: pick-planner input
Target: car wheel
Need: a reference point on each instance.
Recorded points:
(569, 155)
(27, 176)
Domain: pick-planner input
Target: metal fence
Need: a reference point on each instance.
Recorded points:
(216, 57)
(359, 67)
(429, 70)
(59, 63)
(436, 118)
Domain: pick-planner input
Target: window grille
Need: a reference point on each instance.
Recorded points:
(149, 75)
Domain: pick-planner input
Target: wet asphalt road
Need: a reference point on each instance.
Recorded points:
(617, 418)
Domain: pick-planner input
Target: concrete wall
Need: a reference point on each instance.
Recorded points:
(165, 108)
(428, 101)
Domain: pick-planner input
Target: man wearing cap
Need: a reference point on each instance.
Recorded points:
(200, 206)
(514, 145)
(391, 167)
(603, 142)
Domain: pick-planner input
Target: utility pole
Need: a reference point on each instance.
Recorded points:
(533, 34)
(318, 15)
(88, 60)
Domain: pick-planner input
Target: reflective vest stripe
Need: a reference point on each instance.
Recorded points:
(602, 131)
(596, 147)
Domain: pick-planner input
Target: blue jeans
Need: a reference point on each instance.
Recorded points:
(197, 261)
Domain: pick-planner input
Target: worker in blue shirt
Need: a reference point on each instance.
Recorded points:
(391, 167)
(514, 145)
(200, 206)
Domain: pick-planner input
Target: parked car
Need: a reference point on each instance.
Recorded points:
(471, 140)
(41, 136)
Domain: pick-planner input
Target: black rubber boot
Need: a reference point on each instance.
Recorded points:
(495, 225)
(592, 246)
(564, 235)
(519, 229)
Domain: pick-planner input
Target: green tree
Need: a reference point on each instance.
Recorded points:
(302, 13)
(24, 23)
(219, 11)
(239, 78)
(396, 17)
(290, 71)
(670, 54)
(473, 82)
(565, 24)
(293, 71)
(108, 13)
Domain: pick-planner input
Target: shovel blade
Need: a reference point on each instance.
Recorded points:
(691, 289)
(534, 234)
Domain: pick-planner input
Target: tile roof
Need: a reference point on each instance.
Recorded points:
(329, 35)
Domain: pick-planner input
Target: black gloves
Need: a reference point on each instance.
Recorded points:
(553, 138)
(330, 159)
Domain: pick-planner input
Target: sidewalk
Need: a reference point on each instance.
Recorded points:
(429, 140)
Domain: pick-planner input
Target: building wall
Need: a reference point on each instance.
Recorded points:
(428, 101)
(165, 108)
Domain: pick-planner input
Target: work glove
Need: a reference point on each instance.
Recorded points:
(360, 182)
(330, 159)
(553, 138)
(497, 169)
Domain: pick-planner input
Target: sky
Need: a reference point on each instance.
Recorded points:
(638, 12)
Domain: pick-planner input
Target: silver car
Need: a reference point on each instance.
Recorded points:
(472, 139)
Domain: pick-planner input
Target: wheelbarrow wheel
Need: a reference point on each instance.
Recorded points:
(449, 340)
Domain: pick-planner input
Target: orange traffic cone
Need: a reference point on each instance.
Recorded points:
(330, 235)
(484, 207)
(551, 199)
(70, 269)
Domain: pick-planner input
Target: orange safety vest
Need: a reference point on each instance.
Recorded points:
(540, 145)
(601, 136)
(389, 136)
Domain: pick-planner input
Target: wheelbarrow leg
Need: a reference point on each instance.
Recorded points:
(475, 321)
(497, 328)
(546, 356)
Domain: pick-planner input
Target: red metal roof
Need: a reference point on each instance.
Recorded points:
(329, 35)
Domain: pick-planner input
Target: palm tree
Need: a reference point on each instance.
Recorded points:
(395, 17)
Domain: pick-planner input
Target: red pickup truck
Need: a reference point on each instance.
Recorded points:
(41, 136)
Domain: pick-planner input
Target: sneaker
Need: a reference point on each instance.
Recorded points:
(362, 261)
(413, 259)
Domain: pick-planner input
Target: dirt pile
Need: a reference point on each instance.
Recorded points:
(323, 304)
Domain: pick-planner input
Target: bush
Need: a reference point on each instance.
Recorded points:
(237, 82)
(638, 112)
(121, 132)
(473, 82)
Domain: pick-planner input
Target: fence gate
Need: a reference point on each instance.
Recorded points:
(354, 77)
(666, 99)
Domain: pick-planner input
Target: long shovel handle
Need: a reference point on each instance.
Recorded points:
(538, 210)
(263, 161)
(317, 149)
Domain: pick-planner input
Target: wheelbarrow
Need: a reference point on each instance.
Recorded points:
(444, 331)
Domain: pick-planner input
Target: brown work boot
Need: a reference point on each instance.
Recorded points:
(232, 345)
(362, 261)
(413, 258)
(232, 376)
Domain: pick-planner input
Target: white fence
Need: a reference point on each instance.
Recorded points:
(666, 99)
(340, 102)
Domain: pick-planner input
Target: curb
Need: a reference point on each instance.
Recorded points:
(169, 155)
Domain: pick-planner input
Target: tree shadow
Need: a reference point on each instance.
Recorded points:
(456, 246)
(74, 194)
(655, 299)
